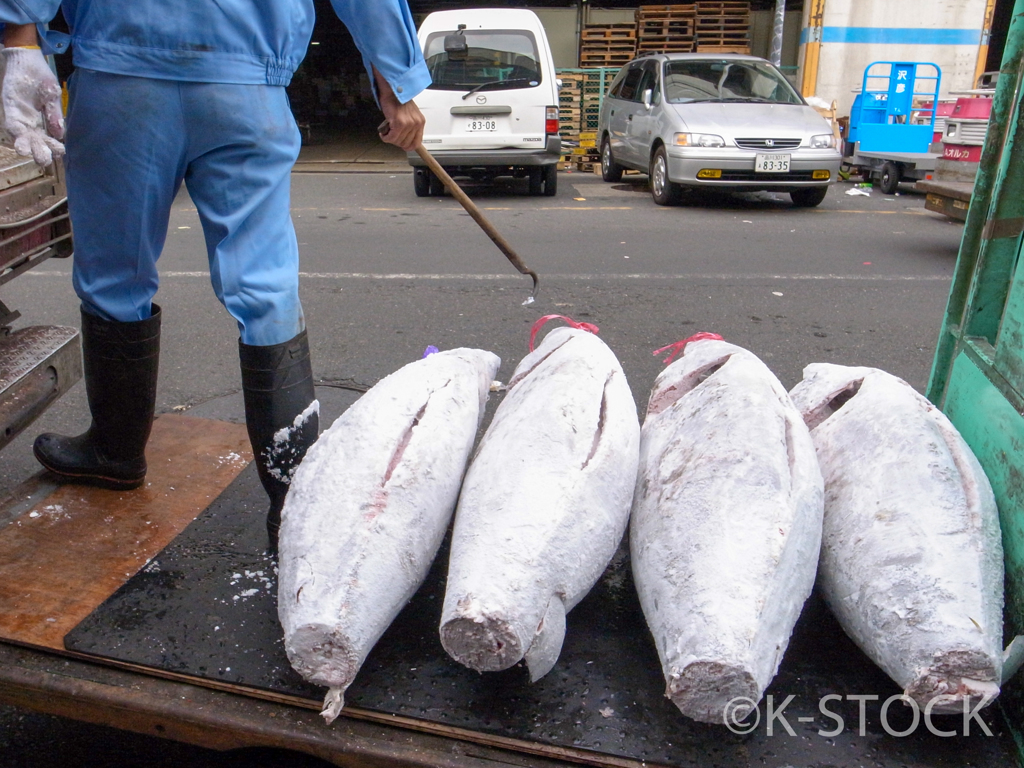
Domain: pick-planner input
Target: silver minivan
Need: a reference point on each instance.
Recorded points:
(726, 121)
(492, 108)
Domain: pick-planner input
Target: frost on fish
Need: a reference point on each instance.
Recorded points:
(544, 505)
(726, 526)
(911, 558)
(368, 508)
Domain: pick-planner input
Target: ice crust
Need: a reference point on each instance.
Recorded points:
(544, 505)
(911, 559)
(725, 528)
(368, 508)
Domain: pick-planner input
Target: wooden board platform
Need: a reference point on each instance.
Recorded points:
(66, 553)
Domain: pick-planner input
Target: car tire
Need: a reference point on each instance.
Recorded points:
(550, 180)
(436, 188)
(610, 170)
(889, 177)
(421, 181)
(664, 191)
(808, 197)
(536, 177)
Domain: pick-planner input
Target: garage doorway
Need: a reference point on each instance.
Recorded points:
(331, 96)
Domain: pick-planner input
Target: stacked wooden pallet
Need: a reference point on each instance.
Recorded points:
(666, 28)
(570, 103)
(722, 26)
(579, 110)
(607, 45)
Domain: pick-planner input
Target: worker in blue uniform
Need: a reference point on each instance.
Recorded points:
(187, 91)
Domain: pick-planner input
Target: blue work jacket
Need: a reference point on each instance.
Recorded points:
(245, 42)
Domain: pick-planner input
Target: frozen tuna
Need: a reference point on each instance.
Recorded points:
(544, 505)
(368, 508)
(911, 558)
(726, 526)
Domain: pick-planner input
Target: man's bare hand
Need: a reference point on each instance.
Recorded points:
(404, 122)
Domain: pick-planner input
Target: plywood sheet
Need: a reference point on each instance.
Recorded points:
(62, 556)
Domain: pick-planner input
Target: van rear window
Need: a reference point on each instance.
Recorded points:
(498, 59)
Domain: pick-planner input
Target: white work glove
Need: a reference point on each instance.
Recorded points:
(31, 97)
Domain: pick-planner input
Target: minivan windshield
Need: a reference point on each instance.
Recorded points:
(696, 80)
(499, 59)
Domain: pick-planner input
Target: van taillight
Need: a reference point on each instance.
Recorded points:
(551, 120)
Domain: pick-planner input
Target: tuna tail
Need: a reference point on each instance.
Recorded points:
(333, 703)
(547, 643)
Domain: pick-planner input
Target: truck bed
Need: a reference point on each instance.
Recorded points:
(112, 610)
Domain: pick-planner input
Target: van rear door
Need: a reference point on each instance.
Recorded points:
(494, 97)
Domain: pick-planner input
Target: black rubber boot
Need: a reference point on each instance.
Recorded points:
(277, 384)
(121, 364)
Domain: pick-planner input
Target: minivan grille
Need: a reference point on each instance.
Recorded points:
(768, 143)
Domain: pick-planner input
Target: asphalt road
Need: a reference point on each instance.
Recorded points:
(857, 281)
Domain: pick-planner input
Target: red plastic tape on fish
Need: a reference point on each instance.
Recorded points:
(679, 346)
(589, 327)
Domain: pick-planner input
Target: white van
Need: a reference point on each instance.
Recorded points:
(492, 109)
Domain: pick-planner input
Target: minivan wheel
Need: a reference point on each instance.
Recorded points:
(610, 170)
(421, 181)
(808, 197)
(663, 191)
(550, 180)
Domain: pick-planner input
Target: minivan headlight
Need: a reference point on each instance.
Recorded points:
(823, 141)
(699, 140)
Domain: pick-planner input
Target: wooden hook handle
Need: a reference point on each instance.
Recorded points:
(471, 209)
(475, 212)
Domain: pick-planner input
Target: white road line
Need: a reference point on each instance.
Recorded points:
(546, 277)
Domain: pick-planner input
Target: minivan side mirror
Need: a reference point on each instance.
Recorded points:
(648, 98)
(456, 46)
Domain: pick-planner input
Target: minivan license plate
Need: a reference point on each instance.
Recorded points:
(771, 163)
(482, 124)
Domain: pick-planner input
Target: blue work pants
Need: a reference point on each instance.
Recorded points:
(131, 141)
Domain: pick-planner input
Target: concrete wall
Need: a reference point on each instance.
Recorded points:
(609, 15)
(560, 27)
(761, 24)
(855, 33)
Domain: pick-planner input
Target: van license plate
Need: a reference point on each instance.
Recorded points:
(482, 124)
(771, 163)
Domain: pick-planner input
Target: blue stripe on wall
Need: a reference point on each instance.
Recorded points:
(895, 35)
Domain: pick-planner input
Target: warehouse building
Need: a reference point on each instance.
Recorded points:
(826, 44)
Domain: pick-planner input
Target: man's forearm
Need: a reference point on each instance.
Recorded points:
(20, 35)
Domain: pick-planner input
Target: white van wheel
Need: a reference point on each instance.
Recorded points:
(421, 181)
(436, 185)
(536, 177)
(550, 180)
